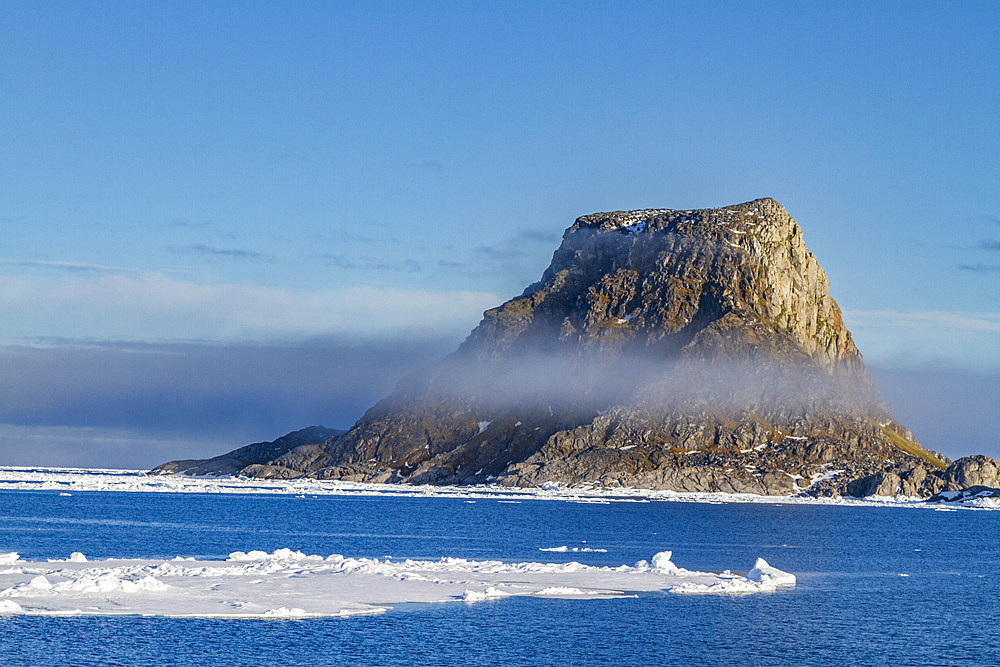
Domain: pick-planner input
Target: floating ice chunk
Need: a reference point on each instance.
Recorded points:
(9, 557)
(103, 583)
(561, 590)
(144, 584)
(491, 593)
(761, 569)
(277, 554)
(77, 557)
(661, 562)
(284, 612)
(561, 549)
(41, 583)
(736, 585)
(10, 607)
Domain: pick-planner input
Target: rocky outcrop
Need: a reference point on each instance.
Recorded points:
(971, 471)
(238, 460)
(974, 495)
(691, 350)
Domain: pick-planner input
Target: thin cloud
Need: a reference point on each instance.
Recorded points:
(980, 268)
(184, 223)
(154, 306)
(199, 228)
(933, 338)
(352, 263)
(449, 264)
(140, 404)
(948, 410)
(537, 236)
(69, 266)
(232, 253)
(502, 254)
(340, 261)
(521, 258)
(948, 319)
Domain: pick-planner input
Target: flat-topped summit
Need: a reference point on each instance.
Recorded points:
(681, 278)
(694, 350)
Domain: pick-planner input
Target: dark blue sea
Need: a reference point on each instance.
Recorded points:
(852, 606)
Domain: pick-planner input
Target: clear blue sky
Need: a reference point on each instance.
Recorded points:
(213, 215)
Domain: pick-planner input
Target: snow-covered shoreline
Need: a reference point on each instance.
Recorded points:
(71, 480)
(291, 584)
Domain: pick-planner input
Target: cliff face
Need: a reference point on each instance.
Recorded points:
(729, 283)
(688, 350)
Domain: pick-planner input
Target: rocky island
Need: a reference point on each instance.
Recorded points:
(695, 350)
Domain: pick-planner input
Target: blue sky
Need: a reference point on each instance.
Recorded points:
(233, 206)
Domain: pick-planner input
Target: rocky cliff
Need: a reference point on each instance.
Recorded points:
(691, 350)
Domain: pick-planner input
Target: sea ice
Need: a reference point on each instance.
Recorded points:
(83, 480)
(9, 607)
(761, 571)
(490, 593)
(292, 584)
(661, 561)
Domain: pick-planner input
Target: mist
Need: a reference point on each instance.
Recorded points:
(583, 383)
(953, 411)
(137, 405)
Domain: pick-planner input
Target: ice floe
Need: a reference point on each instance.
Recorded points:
(291, 584)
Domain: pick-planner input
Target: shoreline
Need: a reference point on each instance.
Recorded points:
(70, 480)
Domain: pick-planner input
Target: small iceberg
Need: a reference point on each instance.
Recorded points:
(762, 571)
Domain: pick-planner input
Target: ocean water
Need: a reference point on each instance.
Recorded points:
(876, 585)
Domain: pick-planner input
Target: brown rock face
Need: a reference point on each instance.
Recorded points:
(689, 350)
(718, 283)
(971, 471)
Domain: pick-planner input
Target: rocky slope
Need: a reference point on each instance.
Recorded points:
(689, 350)
(234, 462)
